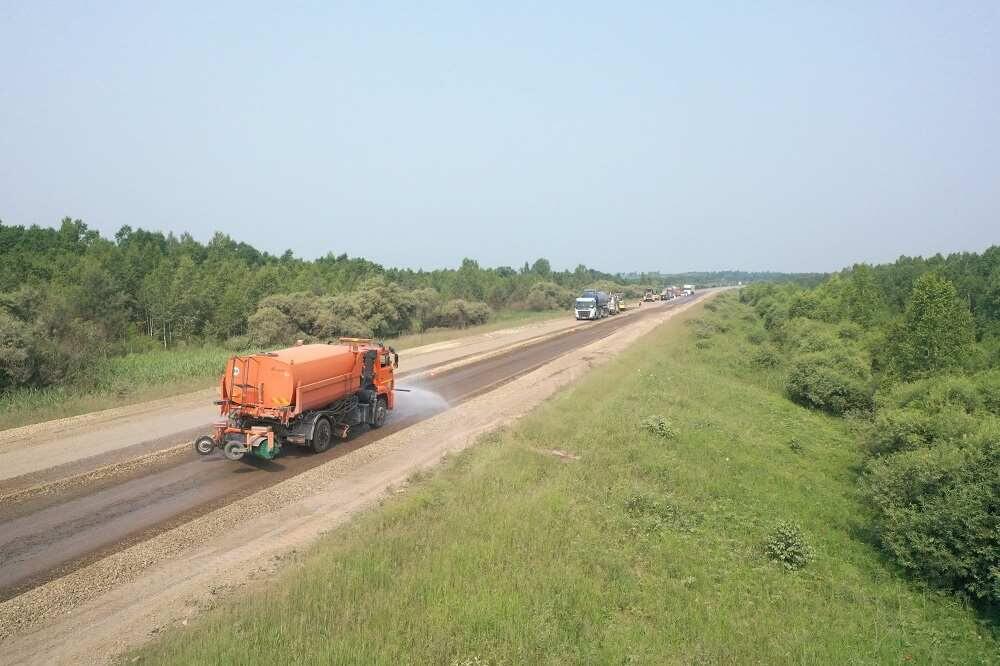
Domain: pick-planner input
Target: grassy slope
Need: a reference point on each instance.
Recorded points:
(159, 374)
(644, 550)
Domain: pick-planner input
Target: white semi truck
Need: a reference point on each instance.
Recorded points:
(592, 304)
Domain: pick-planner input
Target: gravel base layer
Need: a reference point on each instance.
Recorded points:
(97, 612)
(39, 433)
(93, 476)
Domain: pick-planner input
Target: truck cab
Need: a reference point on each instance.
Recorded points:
(586, 308)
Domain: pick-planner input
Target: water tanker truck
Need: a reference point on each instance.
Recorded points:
(592, 304)
(304, 395)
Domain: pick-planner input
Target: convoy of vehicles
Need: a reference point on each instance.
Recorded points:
(304, 395)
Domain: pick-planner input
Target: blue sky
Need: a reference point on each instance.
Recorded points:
(627, 136)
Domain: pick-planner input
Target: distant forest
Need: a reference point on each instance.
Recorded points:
(723, 278)
(69, 295)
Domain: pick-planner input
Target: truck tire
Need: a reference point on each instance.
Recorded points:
(322, 436)
(381, 411)
(204, 445)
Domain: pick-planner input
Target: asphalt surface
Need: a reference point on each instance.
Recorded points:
(48, 536)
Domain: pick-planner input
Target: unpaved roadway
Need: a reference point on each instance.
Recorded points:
(51, 533)
(47, 536)
(42, 452)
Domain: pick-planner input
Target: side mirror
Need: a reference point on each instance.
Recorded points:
(395, 360)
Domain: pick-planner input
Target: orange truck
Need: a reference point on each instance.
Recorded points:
(304, 395)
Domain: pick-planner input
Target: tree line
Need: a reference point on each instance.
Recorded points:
(910, 353)
(69, 295)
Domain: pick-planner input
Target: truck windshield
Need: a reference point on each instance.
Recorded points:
(584, 303)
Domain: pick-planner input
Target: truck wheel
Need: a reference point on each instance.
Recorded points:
(381, 411)
(234, 450)
(204, 445)
(322, 436)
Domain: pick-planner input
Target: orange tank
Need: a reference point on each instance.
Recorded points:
(285, 383)
(301, 395)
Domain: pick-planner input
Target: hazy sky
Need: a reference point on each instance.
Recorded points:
(627, 136)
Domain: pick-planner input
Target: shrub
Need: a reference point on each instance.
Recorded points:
(757, 337)
(908, 428)
(832, 382)
(702, 328)
(805, 335)
(850, 331)
(936, 393)
(548, 296)
(938, 511)
(774, 314)
(270, 326)
(376, 308)
(461, 313)
(988, 385)
(805, 304)
(659, 426)
(787, 546)
(16, 362)
(237, 343)
(720, 324)
(766, 357)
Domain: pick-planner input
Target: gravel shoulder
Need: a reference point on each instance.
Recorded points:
(121, 601)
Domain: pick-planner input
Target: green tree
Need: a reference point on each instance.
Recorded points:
(542, 268)
(864, 300)
(935, 333)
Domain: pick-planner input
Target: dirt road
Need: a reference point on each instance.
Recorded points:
(56, 449)
(127, 524)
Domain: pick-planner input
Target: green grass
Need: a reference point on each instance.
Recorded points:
(117, 381)
(647, 549)
(149, 375)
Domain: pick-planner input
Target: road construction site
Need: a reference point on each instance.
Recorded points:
(111, 524)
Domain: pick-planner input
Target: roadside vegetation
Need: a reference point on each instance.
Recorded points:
(82, 316)
(70, 299)
(676, 506)
(910, 354)
(137, 377)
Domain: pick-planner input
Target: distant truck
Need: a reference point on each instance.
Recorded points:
(614, 303)
(689, 290)
(650, 296)
(592, 304)
(668, 294)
